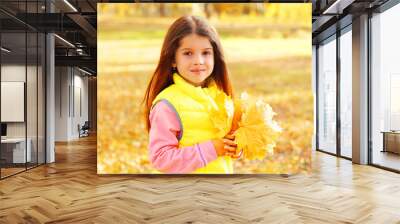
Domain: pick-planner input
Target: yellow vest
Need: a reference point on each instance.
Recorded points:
(192, 105)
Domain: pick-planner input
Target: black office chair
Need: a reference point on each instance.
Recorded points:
(84, 130)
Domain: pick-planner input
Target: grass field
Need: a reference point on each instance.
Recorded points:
(277, 69)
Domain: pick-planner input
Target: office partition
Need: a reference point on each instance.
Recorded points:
(22, 76)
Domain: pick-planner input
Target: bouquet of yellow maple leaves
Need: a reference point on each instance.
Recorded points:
(251, 121)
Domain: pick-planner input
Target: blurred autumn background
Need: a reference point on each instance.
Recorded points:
(268, 52)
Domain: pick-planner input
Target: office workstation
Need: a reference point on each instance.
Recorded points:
(14, 153)
(22, 101)
(15, 146)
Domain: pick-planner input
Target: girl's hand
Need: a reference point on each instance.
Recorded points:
(233, 154)
(236, 156)
(225, 146)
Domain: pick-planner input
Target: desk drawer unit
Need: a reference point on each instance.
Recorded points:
(391, 142)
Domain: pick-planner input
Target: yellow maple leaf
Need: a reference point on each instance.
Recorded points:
(221, 112)
(257, 131)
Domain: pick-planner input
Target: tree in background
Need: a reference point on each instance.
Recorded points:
(283, 13)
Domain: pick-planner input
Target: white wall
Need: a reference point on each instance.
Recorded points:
(13, 73)
(71, 94)
(81, 102)
(62, 81)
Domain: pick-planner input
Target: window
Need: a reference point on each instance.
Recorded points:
(327, 95)
(346, 92)
(385, 88)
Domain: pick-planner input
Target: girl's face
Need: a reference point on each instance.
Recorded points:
(194, 59)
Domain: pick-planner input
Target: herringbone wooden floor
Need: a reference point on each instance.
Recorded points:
(70, 191)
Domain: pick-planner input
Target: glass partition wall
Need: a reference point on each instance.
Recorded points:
(22, 87)
(334, 84)
(13, 109)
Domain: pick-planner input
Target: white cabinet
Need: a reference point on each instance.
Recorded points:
(17, 146)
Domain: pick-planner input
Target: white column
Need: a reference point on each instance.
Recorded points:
(50, 92)
(360, 90)
(50, 100)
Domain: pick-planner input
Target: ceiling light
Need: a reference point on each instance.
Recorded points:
(71, 6)
(5, 49)
(84, 71)
(337, 7)
(64, 40)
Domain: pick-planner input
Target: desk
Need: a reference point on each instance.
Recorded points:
(391, 141)
(16, 147)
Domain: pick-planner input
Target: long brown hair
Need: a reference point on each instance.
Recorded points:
(162, 76)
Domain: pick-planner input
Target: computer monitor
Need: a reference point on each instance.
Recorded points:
(3, 129)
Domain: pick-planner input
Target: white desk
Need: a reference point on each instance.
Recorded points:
(18, 148)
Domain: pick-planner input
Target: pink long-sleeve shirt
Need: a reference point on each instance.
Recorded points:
(164, 151)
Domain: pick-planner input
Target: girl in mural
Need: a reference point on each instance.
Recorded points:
(190, 81)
